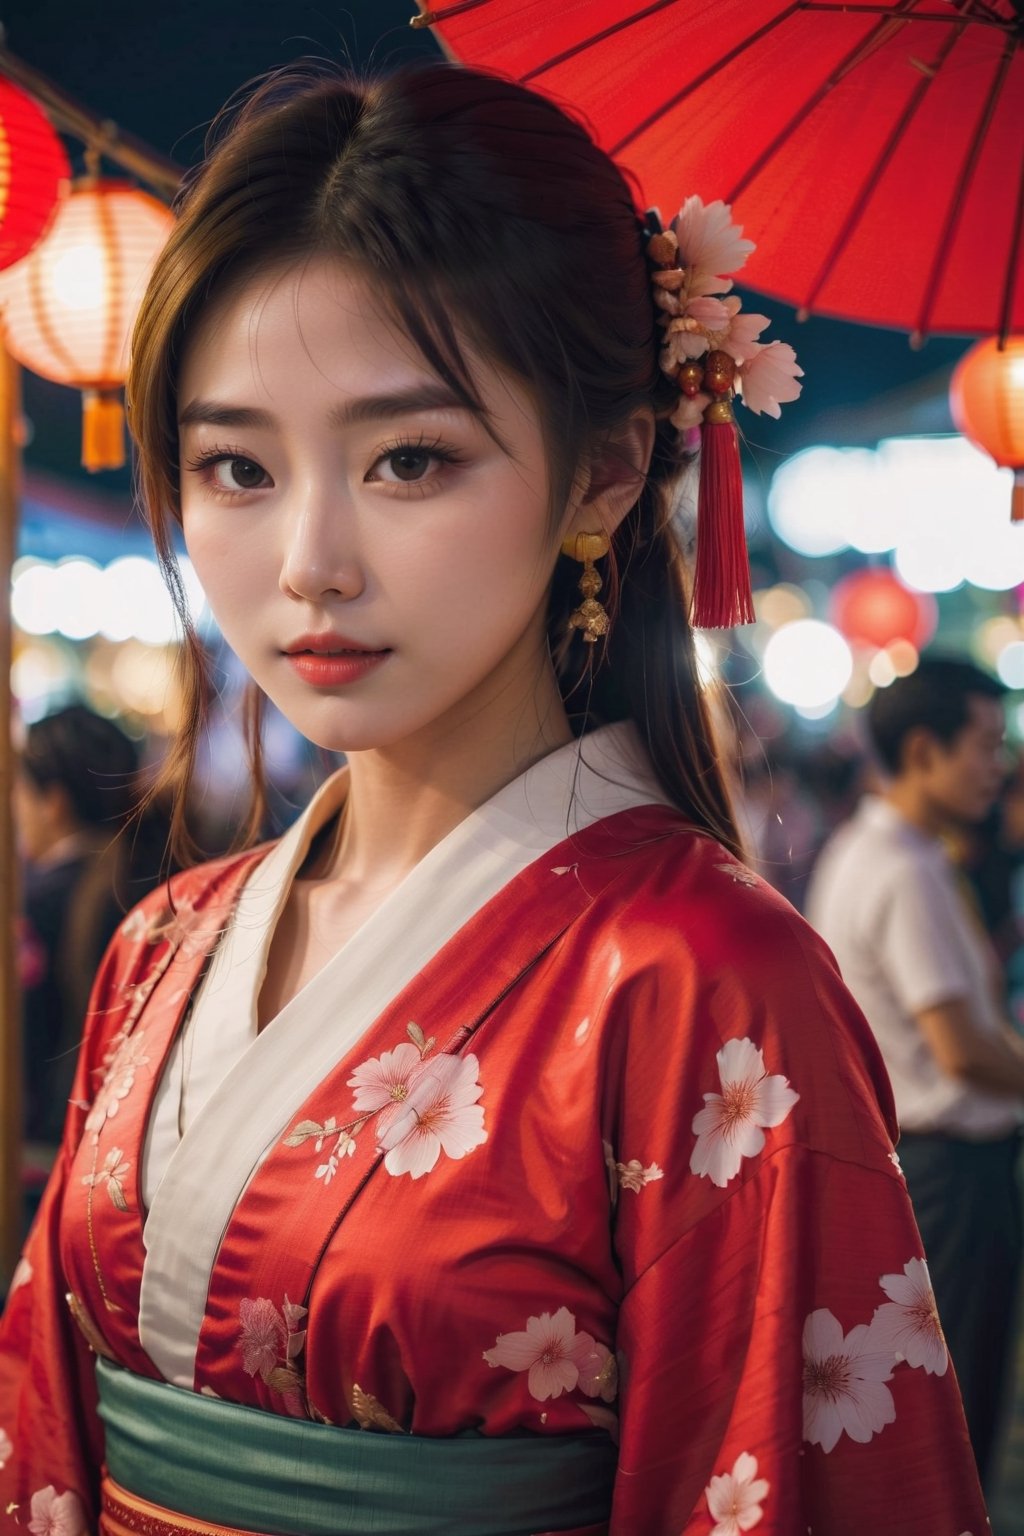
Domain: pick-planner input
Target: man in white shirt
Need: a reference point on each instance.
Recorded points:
(888, 901)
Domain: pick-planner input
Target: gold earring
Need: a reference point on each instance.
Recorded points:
(590, 616)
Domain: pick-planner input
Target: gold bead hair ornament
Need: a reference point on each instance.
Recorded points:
(590, 618)
(712, 353)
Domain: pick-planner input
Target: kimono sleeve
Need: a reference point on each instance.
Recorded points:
(50, 1436)
(780, 1357)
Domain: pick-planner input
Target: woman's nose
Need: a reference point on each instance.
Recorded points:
(319, 557)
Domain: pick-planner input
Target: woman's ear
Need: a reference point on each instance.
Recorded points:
(609, 485)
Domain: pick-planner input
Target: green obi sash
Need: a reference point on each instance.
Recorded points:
(259, 1471)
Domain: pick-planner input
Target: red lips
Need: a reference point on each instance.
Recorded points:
(330, 660)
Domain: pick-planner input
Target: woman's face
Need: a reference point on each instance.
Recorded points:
(374, 557)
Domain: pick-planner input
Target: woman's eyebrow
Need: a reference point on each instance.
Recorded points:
(422, 397)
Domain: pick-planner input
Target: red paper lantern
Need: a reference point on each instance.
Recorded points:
(986, 397)
(70, 306)
(33, 172)
(874, 608)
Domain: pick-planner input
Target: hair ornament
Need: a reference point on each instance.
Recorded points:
(712, 352)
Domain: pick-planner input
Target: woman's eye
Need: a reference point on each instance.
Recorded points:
(238, 474)
(406, 463)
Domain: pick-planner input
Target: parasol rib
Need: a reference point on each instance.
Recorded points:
(428, 18)
(596, 37)
(112, 142)
(705, 75)
(875, 39)
(955, 211)
(985, 18)
(878, 169)
(1010, 287)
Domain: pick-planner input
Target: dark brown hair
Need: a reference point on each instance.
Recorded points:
(479, 210)
(936, 697)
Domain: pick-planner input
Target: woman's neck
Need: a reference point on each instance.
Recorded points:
(403, 801)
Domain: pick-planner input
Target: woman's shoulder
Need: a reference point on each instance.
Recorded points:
(709, 958)
(682, 883)
(189, 890)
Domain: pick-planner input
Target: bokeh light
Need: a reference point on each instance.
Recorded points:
(781, 604)
(1010, 664)
(809, 501)
(904, 656)
(931, 564)
(707, 658)
(881, 671)
(992, 637)
(807, 663)
(78, 599)
(938, 503)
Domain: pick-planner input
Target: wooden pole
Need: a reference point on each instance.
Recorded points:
(104, 137)
(99, 133)
(10, 1005)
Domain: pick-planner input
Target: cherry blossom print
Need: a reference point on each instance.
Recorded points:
(135, 926)
(263, 1338)
(6, 1447)
(419, 1039)
(844, 1382)
(188, 931)
(440, 1114)
(112, 1174)
(57, 1514)
(138, 994)
(557, 1358)
(312, 1130)
(293, 1316)
(907, 1326)
(735, 1498)
(599, 1373)
(344, 1147)
(739, 872)
(22, 1275)
(369, 1413)
(118, 1081)
(633, 1175)
(385, 1080)
(732, 1124)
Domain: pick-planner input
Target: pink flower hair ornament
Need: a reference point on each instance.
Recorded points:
(712, 352)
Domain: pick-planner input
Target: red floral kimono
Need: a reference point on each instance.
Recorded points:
(582, 1134)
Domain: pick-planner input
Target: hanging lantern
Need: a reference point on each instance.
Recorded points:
(874, 608)
(34, 170)
(986, 397)
(69, 307)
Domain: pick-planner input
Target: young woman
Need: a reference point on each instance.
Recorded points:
(494, 1154)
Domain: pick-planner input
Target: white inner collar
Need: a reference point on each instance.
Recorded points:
(192, 1185)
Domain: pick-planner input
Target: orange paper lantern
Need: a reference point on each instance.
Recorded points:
(34, 171)
(69, 307)
(874, 608)
(986, 397)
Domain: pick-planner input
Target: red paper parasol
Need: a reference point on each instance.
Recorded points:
(875, 152)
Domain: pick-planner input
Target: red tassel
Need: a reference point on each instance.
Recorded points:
(721, 583)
